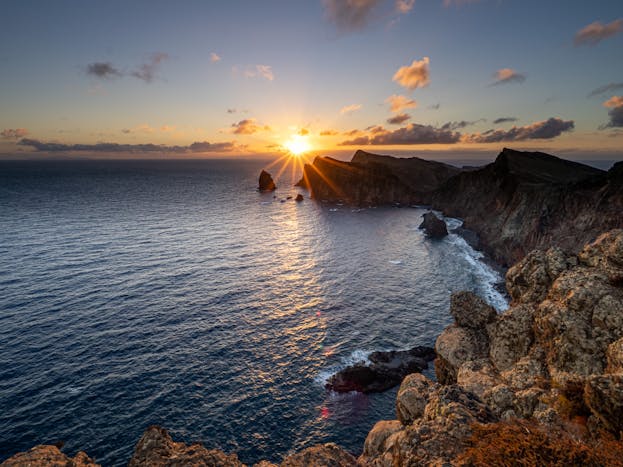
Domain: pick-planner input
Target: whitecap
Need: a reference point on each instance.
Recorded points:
(395, 261)
(355, 357)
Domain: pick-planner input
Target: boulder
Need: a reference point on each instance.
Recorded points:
(510, 336)
(471, 311)
(266, 182)
(412, 397)
(47, 455)
(386, 370)
(328, 454)
(455, 346)
(376, 441)
(156, 448)
(433, 226)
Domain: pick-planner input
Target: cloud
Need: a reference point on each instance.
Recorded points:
(596, 32)
(404, 6)
(606, 88)
(413, 76)
(399, 103)
(13, 133)
(302, 132)
(434, 106)
(231, 111)
(103, 70)
(349, 109)
(448, 3)
(459, 125)
(197, 147)
(328, 133)
(507, 75)
(501, 120)
(349, 15)
(248, 126)
(615, 104)
(214, 57)
(546, 129)
(147, 71)
(398, 119)
(257, 71)
(410, 134)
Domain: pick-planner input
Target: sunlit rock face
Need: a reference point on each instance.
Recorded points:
(528, 200)
(370, 179)
(45, 456)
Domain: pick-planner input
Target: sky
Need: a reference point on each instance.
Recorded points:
(434, 78)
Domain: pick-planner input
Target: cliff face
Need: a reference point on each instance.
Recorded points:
(370, 179)
(527, 200)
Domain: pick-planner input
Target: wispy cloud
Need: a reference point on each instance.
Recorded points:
(328, 133)
(499, 121)
(214, 57)
(13, 133)
(459, 125)
(349, 15)
(596, 32)
(147, 71)
(404, 6)
(615, 104)
(434, 106)
(448, 3)
(103, 70)
(256, 71)
(606, 88)
(506, 76)
(398, 103)
(411, 134)
(248, 126)
(546, 129)
(398, 119)
(415, 75)
(196, 147)
(349, 109)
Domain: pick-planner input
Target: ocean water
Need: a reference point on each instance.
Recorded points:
(172, 292)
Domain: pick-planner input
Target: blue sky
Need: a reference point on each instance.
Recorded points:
(75, 74)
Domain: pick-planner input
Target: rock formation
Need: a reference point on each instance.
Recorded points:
(433, 226)
(48, 455)
(386, 370)
(370, 179)
(299, 198)
(266, 182)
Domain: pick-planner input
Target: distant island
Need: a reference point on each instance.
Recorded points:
(542, 381)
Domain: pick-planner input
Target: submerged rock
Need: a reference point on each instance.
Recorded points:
(386, 370)
(266, 182)
(433, 226)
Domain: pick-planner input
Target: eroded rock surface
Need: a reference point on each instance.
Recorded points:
(48, 456)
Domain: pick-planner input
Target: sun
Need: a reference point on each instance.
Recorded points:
(297, 145)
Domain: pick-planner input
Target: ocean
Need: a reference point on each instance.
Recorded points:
(172, 292)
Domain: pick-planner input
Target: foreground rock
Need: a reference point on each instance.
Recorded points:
(266, 182)
(386, 370)
(47, 455)
(433, 226)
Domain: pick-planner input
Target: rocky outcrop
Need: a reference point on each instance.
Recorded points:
(47, 455)
(433, 226)
(386, 370)
(266, 182)
(528, 200)
(370, 179)
(299, 198)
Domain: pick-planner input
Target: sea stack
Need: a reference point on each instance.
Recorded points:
(433, 226)
(266, 182)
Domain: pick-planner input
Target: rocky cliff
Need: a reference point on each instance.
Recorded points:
(541, 383)
(527, 200)
(370, 179)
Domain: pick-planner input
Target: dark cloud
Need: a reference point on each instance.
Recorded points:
(500, 120)
(248, 126)
(328, 133)
(434, 106)
(615, 104)
(459, 125)
(546, 129)
(349, 15)
(596, 32)
(606, 88)
(398, 119)
(507, 76)
(231, 111)
(410, 134)
(103, 70)
(13, 133)
(197, 147)
(147, 71)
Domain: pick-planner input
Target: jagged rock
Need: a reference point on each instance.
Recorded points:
(329, 455)
(606, 253)
(604, 397)
(526, 372)
(500, 399)
(386, 370)
(47, 455)
(510, 336)
(526, 401)
(477, 376)
(433, 226)
(266, 182)
(377, 440)
(299, 198)
(614, 357)
(156, 448)
(455, 346)
(471, 311)
(412, 397)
